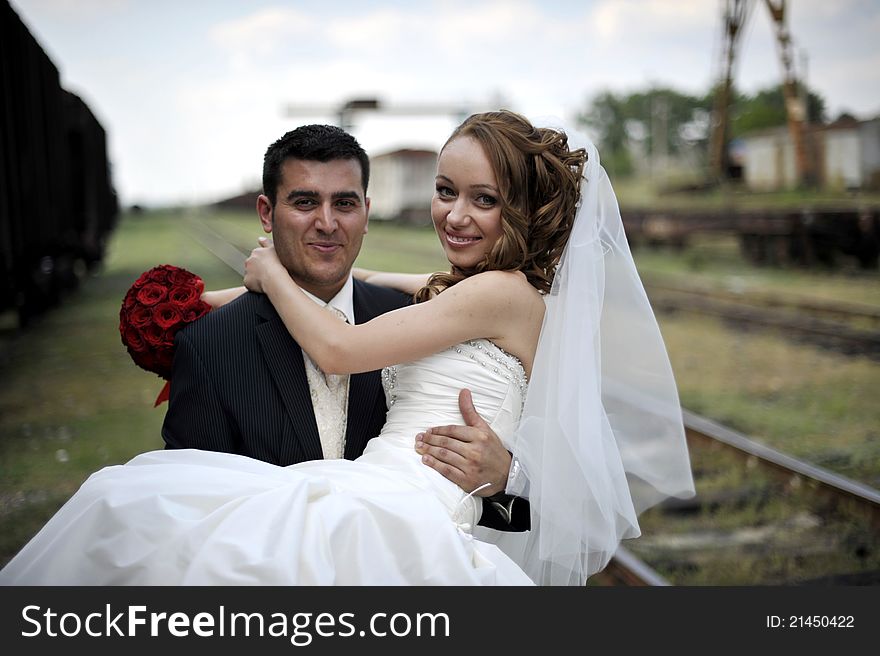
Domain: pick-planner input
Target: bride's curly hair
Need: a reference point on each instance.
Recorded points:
(538, 179)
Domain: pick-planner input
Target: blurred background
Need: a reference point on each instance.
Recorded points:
(742, 138)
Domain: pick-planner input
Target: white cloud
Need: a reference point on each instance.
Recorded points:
(621, 19)
(381, 29)
(262, 33)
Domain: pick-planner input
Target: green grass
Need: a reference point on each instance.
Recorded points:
(811, 403)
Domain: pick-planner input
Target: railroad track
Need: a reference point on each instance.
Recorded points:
(796, 318)
(700, 430)
(840, 310)
(625, 569)
(217, 244)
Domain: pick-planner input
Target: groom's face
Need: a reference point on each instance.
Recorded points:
(318, 222)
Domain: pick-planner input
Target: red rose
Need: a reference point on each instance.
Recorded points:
(151, 293)
(132, 338)
(143, 280)
(195, 310)
(184, 295)
(159, 274)
(140, 316)
(182, 277)
(153, 334)
(165, 315)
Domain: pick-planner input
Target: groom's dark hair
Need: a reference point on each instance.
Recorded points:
(317, 143)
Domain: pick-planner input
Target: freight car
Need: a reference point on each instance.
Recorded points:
(804, 237)
(57, 202)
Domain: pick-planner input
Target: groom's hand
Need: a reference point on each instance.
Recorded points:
(470, 455)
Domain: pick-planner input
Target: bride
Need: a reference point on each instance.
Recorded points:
(542, 317)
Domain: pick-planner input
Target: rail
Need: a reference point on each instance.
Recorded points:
(625, 569)
(705, 430)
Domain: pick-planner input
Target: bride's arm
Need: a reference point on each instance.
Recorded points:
(217, 297)
(408, 283)
(491, 305)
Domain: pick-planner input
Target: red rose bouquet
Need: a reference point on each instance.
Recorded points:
(159, 303)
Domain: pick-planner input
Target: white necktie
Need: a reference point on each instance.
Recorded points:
(330, 402)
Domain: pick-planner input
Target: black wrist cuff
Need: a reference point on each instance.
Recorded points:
(503, 503)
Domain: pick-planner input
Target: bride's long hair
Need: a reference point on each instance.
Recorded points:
(538, 177)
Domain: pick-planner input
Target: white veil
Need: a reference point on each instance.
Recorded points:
(601, 436)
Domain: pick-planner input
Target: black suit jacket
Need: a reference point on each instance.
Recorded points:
(239, 386)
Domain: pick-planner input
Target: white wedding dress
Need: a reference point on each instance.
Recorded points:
(189, 517)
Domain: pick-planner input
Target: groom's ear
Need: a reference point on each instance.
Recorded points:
(264, 209)
(367, 222)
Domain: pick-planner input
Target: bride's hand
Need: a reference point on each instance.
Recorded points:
(262, 265)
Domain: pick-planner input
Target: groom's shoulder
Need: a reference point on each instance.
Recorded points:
(224, 322)
(379, 299)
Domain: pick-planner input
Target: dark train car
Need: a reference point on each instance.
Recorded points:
(769, 237)
(57, 203)
(93, 205)
(811, 237)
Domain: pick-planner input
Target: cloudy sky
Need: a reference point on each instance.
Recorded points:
(191, 93)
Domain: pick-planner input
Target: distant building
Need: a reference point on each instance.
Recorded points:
(402, 184)
(852, 154)
(244, 201)
(847, 150)
(767, 158)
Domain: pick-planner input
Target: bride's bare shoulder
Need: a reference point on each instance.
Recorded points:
(508, 286)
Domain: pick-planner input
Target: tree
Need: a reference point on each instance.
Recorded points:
(659, 122)
(670, 121)
(766, 109)
(607, 116)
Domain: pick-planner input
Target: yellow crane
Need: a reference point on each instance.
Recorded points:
(735, 14)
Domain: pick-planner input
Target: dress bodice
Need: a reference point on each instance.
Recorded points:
(424, 393)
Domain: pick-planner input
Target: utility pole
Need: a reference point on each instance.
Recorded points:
(659, 137)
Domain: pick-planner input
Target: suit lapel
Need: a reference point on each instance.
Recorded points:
(363, 390)
(284, 360)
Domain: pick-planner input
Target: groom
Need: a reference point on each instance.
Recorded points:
(241, 384)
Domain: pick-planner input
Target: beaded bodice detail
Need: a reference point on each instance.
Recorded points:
(425, 393)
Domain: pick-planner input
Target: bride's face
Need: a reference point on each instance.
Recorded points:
(466, 208)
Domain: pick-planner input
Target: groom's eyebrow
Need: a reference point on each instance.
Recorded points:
(338, 195)
(300, 193)
(311, 193)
